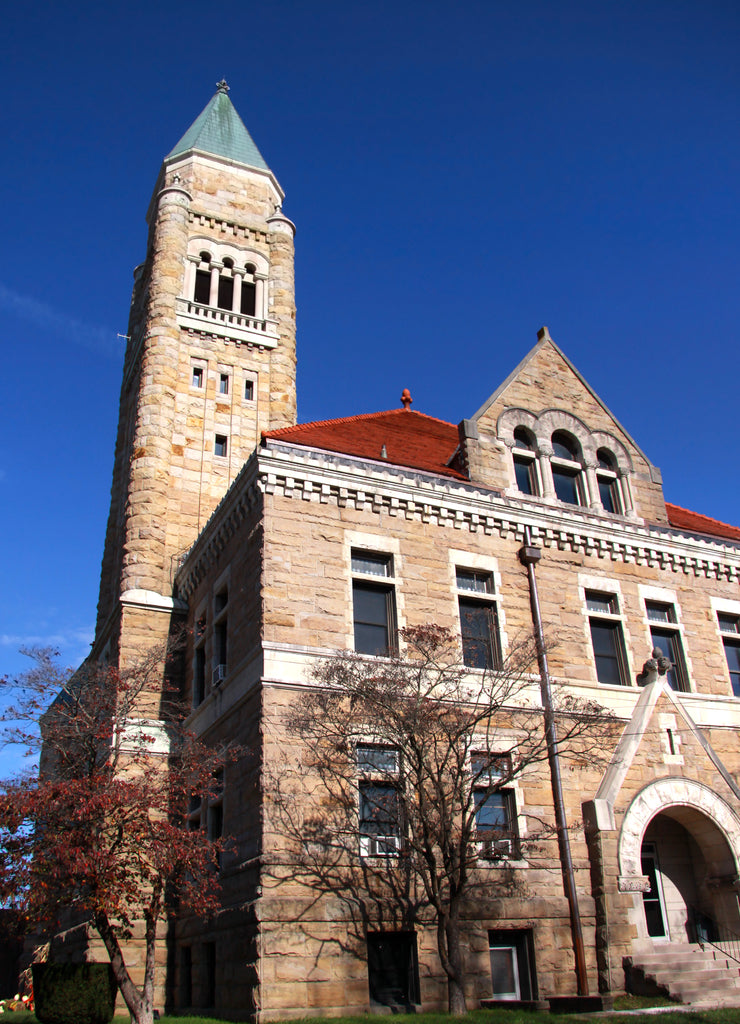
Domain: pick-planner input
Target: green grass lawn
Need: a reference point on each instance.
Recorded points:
(679, 1015)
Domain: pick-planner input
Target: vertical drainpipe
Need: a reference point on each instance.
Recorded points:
(529, 556)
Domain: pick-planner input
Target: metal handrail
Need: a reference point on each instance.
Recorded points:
(707, 932)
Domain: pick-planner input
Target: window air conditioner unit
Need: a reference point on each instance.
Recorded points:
(219, 674)
(496, 849)
(379, 846)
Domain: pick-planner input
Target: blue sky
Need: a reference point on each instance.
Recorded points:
(459, 174)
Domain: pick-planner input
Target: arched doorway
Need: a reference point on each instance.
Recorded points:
(690, 867)
(676, 850)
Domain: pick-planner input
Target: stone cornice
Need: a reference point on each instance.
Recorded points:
(306, 474)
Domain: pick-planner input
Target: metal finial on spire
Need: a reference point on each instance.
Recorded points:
(406, 398)
(222, 86)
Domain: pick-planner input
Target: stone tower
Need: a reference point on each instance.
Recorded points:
(210, 363)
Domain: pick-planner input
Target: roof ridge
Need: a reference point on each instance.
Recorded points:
(355, 419)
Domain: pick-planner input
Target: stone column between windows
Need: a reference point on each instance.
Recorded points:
(188, 289)
(593, 496)
(545, 453)
(236, 304)
(626, 489)
(213, 297)
(259, 296)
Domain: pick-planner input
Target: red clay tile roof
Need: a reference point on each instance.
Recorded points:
(410, 438)
(419, 441)
(682, 519)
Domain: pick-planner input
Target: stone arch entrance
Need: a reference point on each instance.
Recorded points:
(678, 850)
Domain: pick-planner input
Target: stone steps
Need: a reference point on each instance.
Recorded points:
(686, 972)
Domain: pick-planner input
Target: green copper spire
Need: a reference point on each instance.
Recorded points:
(219, 130)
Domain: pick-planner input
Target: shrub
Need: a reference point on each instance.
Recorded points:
(74, 993)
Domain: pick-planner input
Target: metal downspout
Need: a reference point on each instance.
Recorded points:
(529, 556)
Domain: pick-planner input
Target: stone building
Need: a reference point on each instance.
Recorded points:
(278, 544)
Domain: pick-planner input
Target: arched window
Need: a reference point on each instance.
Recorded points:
(525, 461)
(606, 475)
(567, 469)
(202, 292)
(249, 291)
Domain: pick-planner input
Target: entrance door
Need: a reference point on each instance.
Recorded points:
(505, 972)
(652, 900)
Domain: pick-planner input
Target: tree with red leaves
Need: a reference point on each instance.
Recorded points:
(98, 835)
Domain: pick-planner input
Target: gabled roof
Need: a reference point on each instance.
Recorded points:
(422, 442)
(410, 438)
(220, 131)
(544, 340)
(694, 522)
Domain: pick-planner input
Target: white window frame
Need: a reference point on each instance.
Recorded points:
(661, 595)
(372, 544)
(368, 843)
(609, 588)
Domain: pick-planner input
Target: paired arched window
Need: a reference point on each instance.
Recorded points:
(556, 456)
(226, 285)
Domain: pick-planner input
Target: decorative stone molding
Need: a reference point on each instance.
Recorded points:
(316, 476)
(657, 797)
(634, 883)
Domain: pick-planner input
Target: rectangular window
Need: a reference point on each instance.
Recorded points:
(373, 604)
(221, 445)
(666, 636)
(199, 662)
(479, 629)
(223, 383)
(192, 822)
(607, 639)
(197, 382)
(379, 810)
(526, 474)
(248, 390)
(512, 964)
(730, 628)
(568, 484)
(220, 636)
(495, 806)
(216, 809)
(202, 294)
(495, 823)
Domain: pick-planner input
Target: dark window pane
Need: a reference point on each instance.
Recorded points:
(563, 447)
(379, 814)
(372, 565)
(492, 812)
(669, 644)
(732, 653)
(606, 493)
(248, 299)
(729, 623)
(370, 606)
(606, 638)
(479, 633)
(476, 582)
(566, 485)
(202, 292)
(377, 759)
(601, 602)
(524, 469)
(225, 292)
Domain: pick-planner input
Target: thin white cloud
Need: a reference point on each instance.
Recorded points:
(102, 340)
(72, 638)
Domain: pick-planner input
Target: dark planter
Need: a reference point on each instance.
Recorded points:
(74, 993)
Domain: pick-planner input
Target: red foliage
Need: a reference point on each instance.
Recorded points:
(99, 834)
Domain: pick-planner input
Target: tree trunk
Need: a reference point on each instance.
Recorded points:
(141, 1011)
(450, 953)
